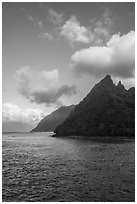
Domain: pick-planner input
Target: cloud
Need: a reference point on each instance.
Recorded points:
(46, 35)
(40, 23)
(23, 77)
(11, 112)
(29, 16)
(74, 32)
(42, 87)
(116, 58)
(102, 28)
(56, 18)
(52, 96)
(49, 77)
(98, 33)
(28, 79)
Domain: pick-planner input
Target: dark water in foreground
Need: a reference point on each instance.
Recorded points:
(37, 167)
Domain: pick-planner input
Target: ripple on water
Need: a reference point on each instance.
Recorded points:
(37, 167)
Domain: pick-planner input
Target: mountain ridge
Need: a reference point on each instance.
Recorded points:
(107, 110)
(50, 122)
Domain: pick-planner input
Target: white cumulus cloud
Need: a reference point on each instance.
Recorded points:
(74, 32)
(97, 33)
(11, 112)
(116, 58)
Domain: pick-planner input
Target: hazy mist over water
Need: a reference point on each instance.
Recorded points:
(37, 167)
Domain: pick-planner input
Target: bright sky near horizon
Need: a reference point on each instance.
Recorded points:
(54, 53)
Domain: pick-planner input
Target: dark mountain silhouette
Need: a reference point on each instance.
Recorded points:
(50, 122)
(108, 110)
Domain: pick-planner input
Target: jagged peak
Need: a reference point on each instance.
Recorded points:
(107, 76)
(120, 86)
(107, 80)
(119, 83)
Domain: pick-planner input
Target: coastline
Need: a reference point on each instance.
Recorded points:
(98, 138)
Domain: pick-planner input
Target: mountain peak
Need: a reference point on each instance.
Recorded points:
(107, 81)
(120, 86)
(119, 83)
(107, 110)
(107, 78)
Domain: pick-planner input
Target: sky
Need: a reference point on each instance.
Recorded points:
(54, 53)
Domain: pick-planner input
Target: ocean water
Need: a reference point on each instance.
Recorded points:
(40, 168)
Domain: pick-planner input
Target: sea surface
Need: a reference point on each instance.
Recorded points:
(40, 168)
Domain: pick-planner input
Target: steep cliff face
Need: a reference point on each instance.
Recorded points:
(108, 110)
(50, 122)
